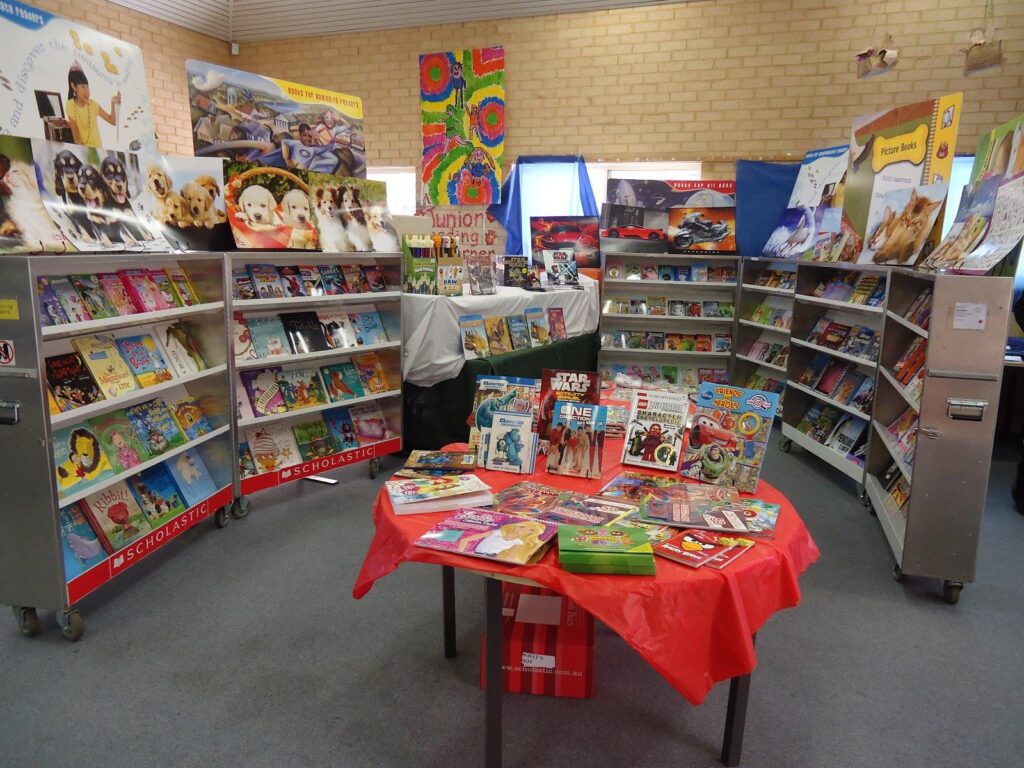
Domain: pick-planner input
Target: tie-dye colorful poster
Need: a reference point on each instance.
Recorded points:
(462, 100)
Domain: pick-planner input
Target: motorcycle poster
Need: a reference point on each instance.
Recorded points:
(702, 230)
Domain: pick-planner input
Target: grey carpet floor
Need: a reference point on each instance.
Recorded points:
(244, 647)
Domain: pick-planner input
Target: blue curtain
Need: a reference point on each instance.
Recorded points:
(509, 212)
(762, 193)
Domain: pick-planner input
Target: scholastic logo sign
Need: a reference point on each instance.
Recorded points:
(316, 466)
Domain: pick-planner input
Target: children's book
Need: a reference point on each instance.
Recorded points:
(301, 388)
(102, 358)
(333, 282)
(264, 393)
(831, 377)
(369, 423)
(576, 439)
(480, 274)
(312, 282)
(69, 300)
(304, 332)
(70, 382)
(561, 267)
(273, 446)
(374, 278)
(246, 465)
(116, 516)
(144, 292)
(519, 331)
(166, 290)
(576, 509)
(337, 329)
(184, 291)
(179, 348)
(540, 329)
(242, 287)
(618, 549)
(556, 322)
(313, 439)
(490, 535)
(447, 461)
(498, 338)
(190, 417)
(451, 274)
(516, 269)
(119, 440)
(341, 381)
(155, 426)
(355, 278)
(267, 335)
(192, 477)
(342, 430)
(50, 310)
(78, 459)
(372, 375)
(143, 356)
(678, 512)
(864, 395)
(512, 443)
(474, 337)
(82, 547)
(93, 296)
(654, 430)
(730, 431)
(507, 394)
(846, 433)
(367, 325)
(157, 495)
(118, 295)
(567, 386)
(266, 281)
(695, 548)
(814, 370)
(241, 338)
(530, 499)
(291, 282)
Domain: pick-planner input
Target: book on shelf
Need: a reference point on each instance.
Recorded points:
(657, 306)
(474, 337)
(263, 391)
(847, 386)
(343, 431)
(313, 439)
(864, 288)
(165, 288)
(50, 310)
(576, 439)
(190, 417)
(654, 340)
(117, 294)
(338, 329)
(490, 535)
(411, 496)
(831, 376)
(834, 335)
(332, 280)
(614, 270)
(301, 388)
(540, 329)
(846, 433)
(369, 423)
(858, 342)
(242, 346)
(919, 311)
(119, 441)
(268, 335)
(498, 338)
(242, 286)
(116, 516)
(192, 477)
(108, 369)
(372, 375)
(614, 550)
(70, 382)
(145, 293)
(142, 354)
(304, 332)
(355, 278)
(312, 282)
(157, 495)
(79, 460)
(184, 291)
(448, 461)
(246, 464)
(654, 431)
(69, 300)
(367, 325)
(291, 282)
(155, 426)
(556, 322)
(273, 446)
(93, 296)
(511, 443)
(638, 305)
(179, 348)
(82, 547)
(864, 396)
(820, 326)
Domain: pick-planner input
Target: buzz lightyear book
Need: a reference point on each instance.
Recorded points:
(654, 430)
(726, 443)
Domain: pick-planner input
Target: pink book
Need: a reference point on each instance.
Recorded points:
(143, 290)
(117, 293)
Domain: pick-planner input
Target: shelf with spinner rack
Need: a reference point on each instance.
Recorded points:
(761, 363)
(668, 318)
(37, 567)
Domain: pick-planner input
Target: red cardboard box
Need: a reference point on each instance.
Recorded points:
(548, 644)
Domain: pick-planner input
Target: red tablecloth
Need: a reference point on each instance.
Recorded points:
(693, 625)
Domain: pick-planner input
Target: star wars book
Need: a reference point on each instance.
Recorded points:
(312, 283)
(490, 535)
(116, 516)
(82, 547)
(301, 388)
(263, 390)
(512, 445)
(268, 335)
(70, 382)
(78, 459)
(155, 426)
(143, 356)
(314, 439)
(119, 440)
(516, 269)
(341, 381)
(104, 362)
(192, 477)
(157, 495)
(576, 439)
(561, 267)
(179, 348)
(474, 337)
(654, 430)
(567, 386)
(304, 332)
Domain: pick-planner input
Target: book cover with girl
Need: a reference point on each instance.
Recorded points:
(490, 535)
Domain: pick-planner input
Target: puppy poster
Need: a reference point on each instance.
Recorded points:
(183, 198)
(62, 81)
(250, 118)
(269, 208)
(25, 226)
(352, 214)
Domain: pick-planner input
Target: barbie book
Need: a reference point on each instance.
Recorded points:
(490, 535)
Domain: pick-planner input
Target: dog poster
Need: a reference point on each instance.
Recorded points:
(251, 118)
(183, 199)
(462, 102)
(63, 81)
(25, 226)
(88, 194)
(579, 233)
(269, 208)
(352, 214)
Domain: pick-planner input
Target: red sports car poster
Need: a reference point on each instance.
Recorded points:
(549, 233)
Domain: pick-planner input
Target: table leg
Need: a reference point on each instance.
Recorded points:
(735, 719)
(492, 675)
(448, 606)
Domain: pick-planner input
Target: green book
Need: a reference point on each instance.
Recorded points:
(589, 549)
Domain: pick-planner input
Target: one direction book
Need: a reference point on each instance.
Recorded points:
(371, 373)
(104, 361)
(268, 335)
(337, 329)
(69, 300)
(93, 296)
(304, 332)
(179, 348)
(78, 459)
(498, 338)
(314, 439)
(512, 443)
(301, 388)
(727, 441)
(654, 430)
(341, 381)
(70, 382)
(155, 426)
(144, 358)
(490, 535)
(116, 516)
(192, 477)
(263, 390)
(474, 337)
(576, 439)
(519, 331)
(119, 440)
(369, 423)
(273, 446)
(695, 548)
(157, 495)
(118, 295)
(367, 325)
(540, 328)
(50, 310)
(82, 547)
(567, 386)
(342, 430)
(291, 282)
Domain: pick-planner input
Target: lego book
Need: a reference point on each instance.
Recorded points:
(576, 439)
(654, 430)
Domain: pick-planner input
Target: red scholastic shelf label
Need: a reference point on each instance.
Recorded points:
(317, 466)
(103, 572)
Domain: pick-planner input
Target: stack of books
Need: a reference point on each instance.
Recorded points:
(411, 495)
(614, 550)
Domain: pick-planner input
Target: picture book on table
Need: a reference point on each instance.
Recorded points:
(183, 288)
(78, 459)
(367, 325)
(343, 431)
(566, 386)
(69, 300)
(333, 282)
(241, 338)
(82, 547)
(155, 426)
(273, 446)
(304, 332)
(263, 390)
(538, 327)
(70, 382)
(556, 322)
(291, 282)
(93, 296)
(449, 461)
(519, 331)
(404, 491)
(119, 441)
(341, 381)
(720, 516)
(104, 362)
(267, 335)
(242, 285)
(50, 310)
(530, 499)
(116, 292)
(576, 509)
(480, 273)
(312, 282)
(338, 329)
(516, 270)
(371, 373)
(301, 388)
(506, 394)
(163, 285)
(474, 337)
(369, 423)
(492, 535)
(314, 439)
(512, 443)
(618, 549)
(144, 292)
(144, 359)
(695, 548)
(190, 417)
(179, 348)
(116, 516)
(498, 338)
(192, 477)
(730, 431)
(157, 495)
(576, 439)
(654, 430)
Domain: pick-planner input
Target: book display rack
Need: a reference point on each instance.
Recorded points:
(764, 315)
(938, 386)
(118, 400)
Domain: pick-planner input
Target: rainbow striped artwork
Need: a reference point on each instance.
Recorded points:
(462, 101)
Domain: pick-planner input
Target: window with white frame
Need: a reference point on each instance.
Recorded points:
(401, 183)
(601, 173)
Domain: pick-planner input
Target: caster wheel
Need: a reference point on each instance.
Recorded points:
(374, 468)
(72, 625)
(28, 620)
(786, 445)
(241, 507)
(222, 517)
(897, 574)
(951, 591)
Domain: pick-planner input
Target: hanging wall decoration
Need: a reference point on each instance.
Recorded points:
(462, 102)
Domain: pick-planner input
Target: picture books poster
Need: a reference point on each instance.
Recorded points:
(462, 104)
(66, 82)
(252, 118)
